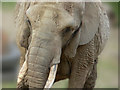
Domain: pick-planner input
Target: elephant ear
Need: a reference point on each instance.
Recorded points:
(104, 29)
(22, 28)
(90, 22)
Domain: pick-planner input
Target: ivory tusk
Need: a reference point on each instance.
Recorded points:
(51, 76)
(22, 70)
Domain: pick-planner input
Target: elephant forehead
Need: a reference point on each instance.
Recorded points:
(37, 15)
(36, 12)
(49, 10)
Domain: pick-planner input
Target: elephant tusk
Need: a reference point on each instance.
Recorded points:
(51, 76)
(23, 70)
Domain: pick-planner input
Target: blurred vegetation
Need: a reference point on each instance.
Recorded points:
(8, 5)
(8, 84)
(114, 6)
(116, 9)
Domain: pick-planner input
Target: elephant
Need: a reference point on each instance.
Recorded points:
(60, 40)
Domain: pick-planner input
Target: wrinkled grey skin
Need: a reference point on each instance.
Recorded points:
(69, 34)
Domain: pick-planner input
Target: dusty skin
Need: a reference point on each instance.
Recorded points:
(59, 41)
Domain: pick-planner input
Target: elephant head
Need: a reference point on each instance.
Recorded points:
(55, 29)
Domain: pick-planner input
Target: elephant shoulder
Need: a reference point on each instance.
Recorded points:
(22, 28)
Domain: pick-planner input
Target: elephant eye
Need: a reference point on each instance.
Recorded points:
(28, 22)
(67, 29)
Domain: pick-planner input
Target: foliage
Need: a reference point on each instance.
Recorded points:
(8, 5)
(114, 6)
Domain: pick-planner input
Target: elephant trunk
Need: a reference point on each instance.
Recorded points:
(41, 53)
(38, 67)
